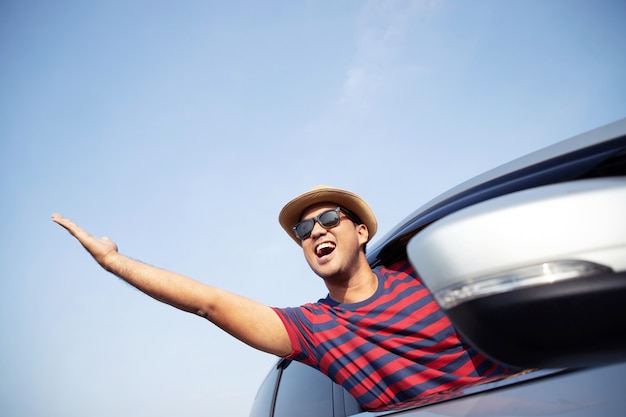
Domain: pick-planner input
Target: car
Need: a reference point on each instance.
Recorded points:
(528, 260)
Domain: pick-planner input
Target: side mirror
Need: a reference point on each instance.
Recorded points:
(535, 278)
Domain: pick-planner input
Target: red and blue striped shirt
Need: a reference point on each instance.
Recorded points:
(393, 347)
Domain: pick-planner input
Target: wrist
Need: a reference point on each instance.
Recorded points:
(112, 262)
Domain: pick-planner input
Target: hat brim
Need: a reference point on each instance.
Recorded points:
(292, 211)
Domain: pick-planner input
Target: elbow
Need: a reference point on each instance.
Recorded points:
(202, 313)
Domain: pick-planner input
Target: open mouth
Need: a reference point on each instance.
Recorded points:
(324, 249)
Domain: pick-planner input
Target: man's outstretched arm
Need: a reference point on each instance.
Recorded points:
(247, 320)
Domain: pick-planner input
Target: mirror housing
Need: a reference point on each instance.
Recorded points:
(536, 278)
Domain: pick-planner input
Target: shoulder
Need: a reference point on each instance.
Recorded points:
(401, 268)
(307, 311)
(401, 280)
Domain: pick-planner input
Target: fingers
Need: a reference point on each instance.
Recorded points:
(69, 225)
(75, 230)
(60, 220)
(57, 218)
(99, 248)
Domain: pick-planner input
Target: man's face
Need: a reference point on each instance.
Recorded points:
(333, 253)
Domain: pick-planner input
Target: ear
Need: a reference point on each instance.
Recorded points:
(363, 233)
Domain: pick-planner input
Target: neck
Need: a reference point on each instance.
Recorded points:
(359, 287)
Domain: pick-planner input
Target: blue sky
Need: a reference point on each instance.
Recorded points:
(179, 129)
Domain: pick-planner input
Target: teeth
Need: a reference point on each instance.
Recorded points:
(325, 248)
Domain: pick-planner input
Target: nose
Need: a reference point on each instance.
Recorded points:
(317, 231)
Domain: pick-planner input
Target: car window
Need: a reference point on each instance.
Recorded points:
(303, 392)
(262, 406)
(351, 406)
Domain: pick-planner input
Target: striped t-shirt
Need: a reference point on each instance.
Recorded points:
(393, 347)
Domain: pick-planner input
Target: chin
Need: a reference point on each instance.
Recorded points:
(335, 275)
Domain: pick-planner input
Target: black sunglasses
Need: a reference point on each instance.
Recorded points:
(327, 220)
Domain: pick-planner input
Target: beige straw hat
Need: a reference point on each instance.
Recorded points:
(292, 212)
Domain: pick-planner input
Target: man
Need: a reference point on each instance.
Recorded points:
(379, 332)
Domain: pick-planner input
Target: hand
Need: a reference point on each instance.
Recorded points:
(99, 248)
(249, 321)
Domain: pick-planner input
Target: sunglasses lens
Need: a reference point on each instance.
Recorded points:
(329, 219)
(304, 228)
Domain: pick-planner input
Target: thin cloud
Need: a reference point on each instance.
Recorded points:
(380, 36)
